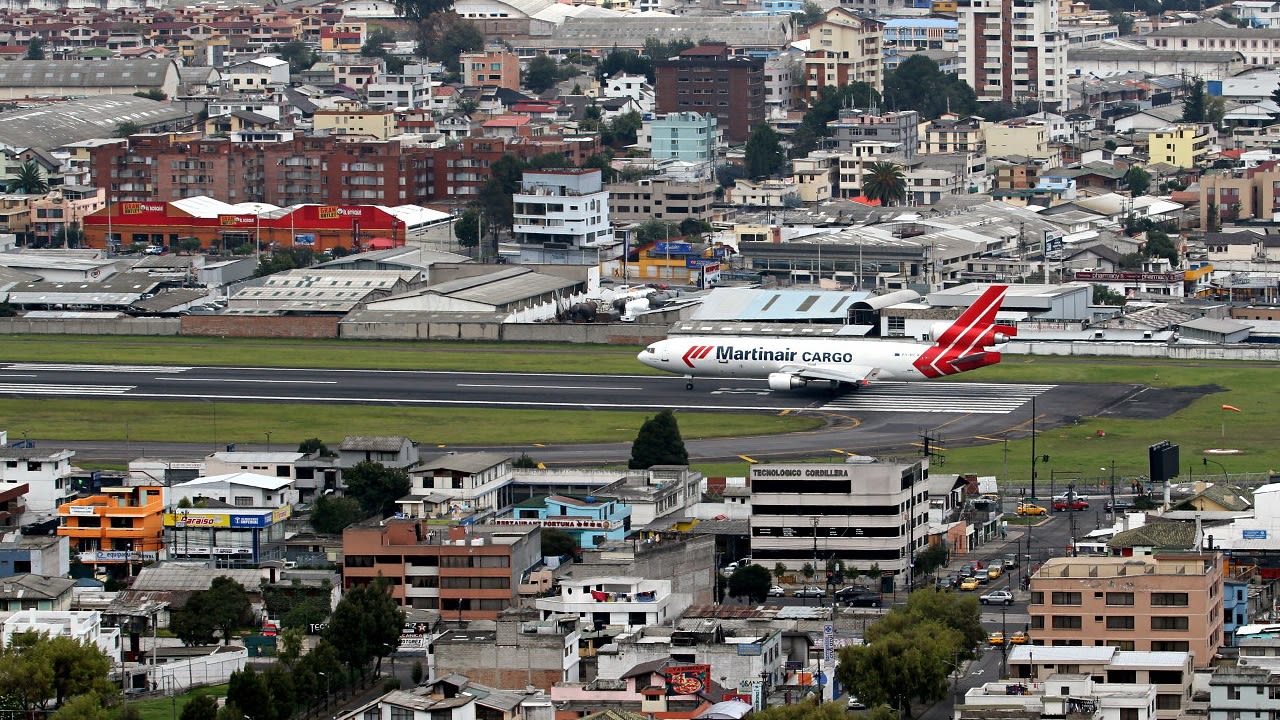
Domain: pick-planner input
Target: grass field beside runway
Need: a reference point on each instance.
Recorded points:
(220, 424)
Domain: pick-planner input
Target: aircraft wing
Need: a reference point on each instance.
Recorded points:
(853, 374)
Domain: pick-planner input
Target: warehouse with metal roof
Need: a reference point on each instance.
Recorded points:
(53, 125)
(512, 294)
(63, 78)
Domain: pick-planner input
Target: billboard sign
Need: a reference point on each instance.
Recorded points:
(688, 679)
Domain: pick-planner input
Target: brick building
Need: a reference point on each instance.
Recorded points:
(1162, 603)
(707, 79)
(467, 573)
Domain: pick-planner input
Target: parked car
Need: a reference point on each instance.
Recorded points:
(1030, 509)
(996, 597)
(777, 591)
(809, 591)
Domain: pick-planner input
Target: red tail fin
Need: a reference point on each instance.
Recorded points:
(959, 347)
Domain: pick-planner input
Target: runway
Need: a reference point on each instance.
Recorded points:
(883, 418)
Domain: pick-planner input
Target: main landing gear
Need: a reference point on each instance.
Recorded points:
(688, 382)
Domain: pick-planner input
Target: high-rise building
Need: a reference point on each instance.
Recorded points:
(1013, 50)
(563, 208)
(844, 48)
(708, 79)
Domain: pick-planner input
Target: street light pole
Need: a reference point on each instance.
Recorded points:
(328, 688)
(814, 521)
(1206, 462)
(268, 434)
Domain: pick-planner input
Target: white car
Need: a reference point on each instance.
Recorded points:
(809, 591)
(777, 591)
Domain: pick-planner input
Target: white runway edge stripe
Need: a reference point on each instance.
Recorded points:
(38, 389)
(977, 398)
(65, 367)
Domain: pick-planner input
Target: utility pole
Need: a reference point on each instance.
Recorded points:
(1033, 448)
(1071, 499)
(814, 521)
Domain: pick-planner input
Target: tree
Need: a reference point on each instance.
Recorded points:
(330, 514)
(191, 626)
(930, 559)
(752, 582)
(809, 709)
(415, 674)
(885, 182)
(1123, 22)
(227, 604)
(623, 130)
(1159, 244)
(826, 107)
(496, 194)
(35, 48)
(129, 712)
(918, 84)
(728, 173)
(419, 10)
(127, 128)
(900, 667)
(467, 228)
(299, 56)
(808, 570)
(1138, 180)
(811, 13)
(1193, 105)
(958, 612)
(29, 180)
(35, 668)
(291, 641)
(189, 245)
(282, 259)
(281, 691)
(1103, 295)
(374, 41)
(558, 543)
(200, 707)
(365, 624)
(764, 156)
(376, 487)
(658, 443)
(82, 707)
(445, 37)
(779, 571)
(542, 74)
(315, 446)
(247, 689)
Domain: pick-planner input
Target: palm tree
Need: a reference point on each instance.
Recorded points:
(884, 182)
(29, 180)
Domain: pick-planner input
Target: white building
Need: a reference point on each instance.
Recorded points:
(1018, 58)
(860, 514)
(84, 626)
(628, 602)
(465, 482)
(737, 654)
(1243, 692)
(635, 87)
(45, 474)
(1259, 13)
(415, 705)
(1060, 695)
(240, 489)
(411, 89)
(563, 209)
(257, 74)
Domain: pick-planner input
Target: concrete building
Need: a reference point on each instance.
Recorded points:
(861, 514)
(63, 78)
(708, 79)
(44, 472)
(854, 129)
(735, 653)
(917, 34)
(629, 603)
(257, 74)
(844, 48)
(84, 626)
(592, 520)
(1020, 136)
(408, 90)
(658, 198)
(35, 555)
(476, 482)
(519, 651)
(28, 591)
(691, 137)
(1243, 691)
(1060, 695)
(1259, 46)
(1238, 195)
(1013, 51)
(1162, 603)
(1170, 674)
(490, 68)
(389, 450)
(117, 527)
(1182, 146)
(354, 119)
(562, 209)
(311, 475)
(465, 572)
(954, 134)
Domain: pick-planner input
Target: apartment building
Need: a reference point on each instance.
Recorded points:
(658, 198)
(354, 119)
(1013, 50)
(954, 134)
(117, 527)
(855, 127)
(1161, 603)
(630, 603)
(686, 136)
(44, 472)
(861, 514)
(1183, 146)
(491, 68)
(707, 79)
(1019, 136)
(465, 572)
(1259, 46)
(1243, 691)
(520, 651)
(1239, 195)
(844, 48)
(562, 209)
(1170, 674)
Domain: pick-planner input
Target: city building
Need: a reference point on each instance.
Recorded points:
(860, 514)
(853, 129)
(310, 473)
(844, 48)
(735, 653)
(410, 89)
(1182, 146)
(389, 450)
(36, 592)
(708, 79)
(84, 626)
(56, 217)
(257, 74)
(1170, 674)
(1162, 603)
(1238, 195)
(917, 34)
(954, 134)
(1061, 694)
(490, 68)
(1013, 51)
(1242, 691)
(352, 118)
(686, 136)
(562, 209)
(118, 526)
(591, 520)
(629, 603)
(1020, 136)
(657, 198)
(13, 503)
(43, 472)
(522, 651)
(467, 572)
(34, 555)
(1259, 46)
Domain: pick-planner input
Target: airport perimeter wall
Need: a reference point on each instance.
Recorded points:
(90, 326)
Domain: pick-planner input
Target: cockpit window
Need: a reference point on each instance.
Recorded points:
(650, 350)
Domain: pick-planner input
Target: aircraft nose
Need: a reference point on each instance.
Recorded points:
(647, 355)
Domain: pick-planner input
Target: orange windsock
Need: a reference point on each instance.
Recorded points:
(1231, 408)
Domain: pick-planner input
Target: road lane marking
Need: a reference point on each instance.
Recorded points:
(39, 389)
(234, 380)
(17, 375)
(545, 387)
(68, 367)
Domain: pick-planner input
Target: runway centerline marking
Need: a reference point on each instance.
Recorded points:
(240, 380)
(545, 387)
(16, 375)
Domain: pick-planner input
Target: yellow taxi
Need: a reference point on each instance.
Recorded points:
(995, 638)
(1019, 638)
(994, 572)
(1030, 509)
(969, 583)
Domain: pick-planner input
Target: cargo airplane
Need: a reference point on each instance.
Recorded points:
(793, 363)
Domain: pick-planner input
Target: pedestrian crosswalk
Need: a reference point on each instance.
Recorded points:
(43, 389)
(66, 367)
(926, 397)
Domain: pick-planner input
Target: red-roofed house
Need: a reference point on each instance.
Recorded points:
(508, 126)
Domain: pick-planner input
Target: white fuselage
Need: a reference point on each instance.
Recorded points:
(759, 357)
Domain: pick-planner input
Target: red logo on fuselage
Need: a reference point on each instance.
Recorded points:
(697, 352)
